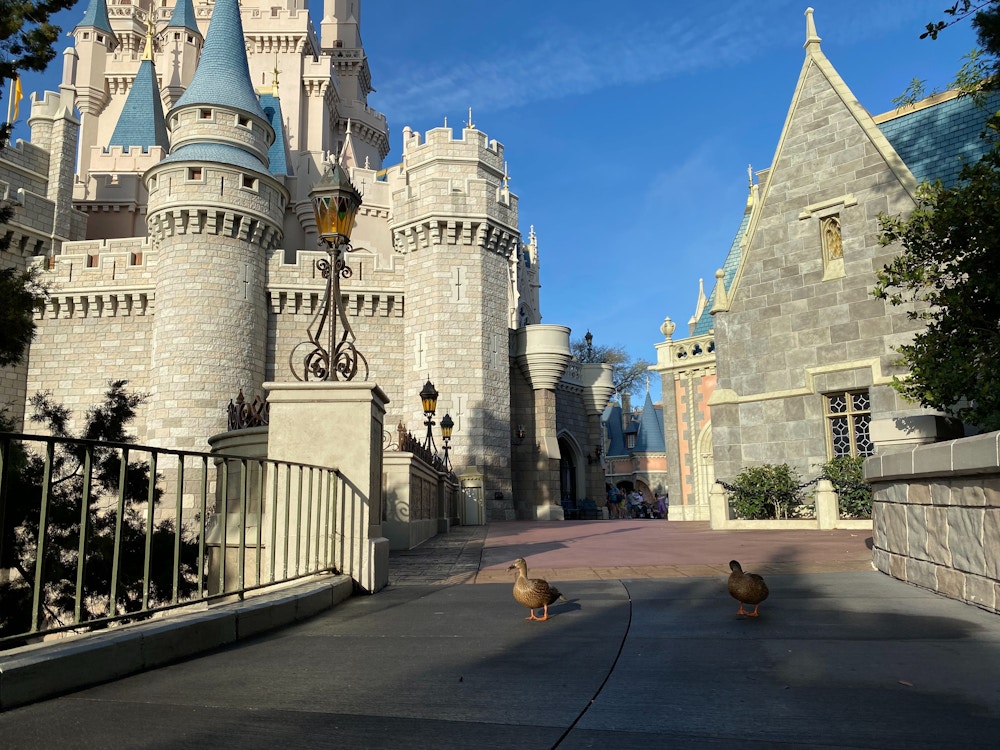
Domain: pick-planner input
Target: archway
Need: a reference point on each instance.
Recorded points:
(569, 469)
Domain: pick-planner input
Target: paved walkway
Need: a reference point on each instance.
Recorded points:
(841, 657)
(599, 550)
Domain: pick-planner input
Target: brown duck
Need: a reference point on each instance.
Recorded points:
(746, 588)
(533, 593)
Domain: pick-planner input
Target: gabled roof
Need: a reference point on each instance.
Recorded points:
(931, 140)
(223, 75)
(96, 16)
(183, 17)
(141, 123)
(277, 154)
(937, 136)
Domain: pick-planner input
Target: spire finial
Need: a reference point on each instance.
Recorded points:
(750, 175)
(811, 36)
(147, 52)
(471, 124)
(274, 82)
(506, 177)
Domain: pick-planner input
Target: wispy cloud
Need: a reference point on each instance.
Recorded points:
(646, 44)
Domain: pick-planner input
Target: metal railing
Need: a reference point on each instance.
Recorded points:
(94, 534)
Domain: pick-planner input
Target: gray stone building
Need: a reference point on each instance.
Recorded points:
(790, 358)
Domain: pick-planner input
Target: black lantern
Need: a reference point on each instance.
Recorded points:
(447, 425)
(332, 356)
(428, 399)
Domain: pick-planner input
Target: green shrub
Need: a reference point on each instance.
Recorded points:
(768, 491)
(848, 478)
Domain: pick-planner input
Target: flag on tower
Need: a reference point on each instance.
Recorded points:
(14, 105)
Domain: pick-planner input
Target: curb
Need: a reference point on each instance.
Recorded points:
(45, 670)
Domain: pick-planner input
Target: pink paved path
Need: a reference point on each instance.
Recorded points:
(580, 550)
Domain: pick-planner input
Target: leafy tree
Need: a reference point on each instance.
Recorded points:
(107, 422)
(948, 266)
(764, 492)
(20, 291)
(27, 42)
(847, 474)
(626, 373)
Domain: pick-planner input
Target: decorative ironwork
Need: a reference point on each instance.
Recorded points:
(407, 442)
(330, 352)
(330, 356)
(244, 414)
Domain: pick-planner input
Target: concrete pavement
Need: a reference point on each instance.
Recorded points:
(842, 656)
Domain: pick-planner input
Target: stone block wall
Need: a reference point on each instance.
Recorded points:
(936, 516)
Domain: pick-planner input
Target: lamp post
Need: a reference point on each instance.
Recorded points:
(332, 355)
(447, 425)
(429, 398)
(589, 338)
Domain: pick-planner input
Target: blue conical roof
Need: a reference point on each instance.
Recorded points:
(96, 16)
(276, 155)
(650, 438)
(223, 75)
(183, 17)
(141, 122)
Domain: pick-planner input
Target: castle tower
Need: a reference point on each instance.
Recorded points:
(214, 212)
(95, 41)
(457, 223)
(182, 44)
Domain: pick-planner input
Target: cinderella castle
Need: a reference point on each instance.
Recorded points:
(164, 192)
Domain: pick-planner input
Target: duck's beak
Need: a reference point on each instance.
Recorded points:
(511, 567)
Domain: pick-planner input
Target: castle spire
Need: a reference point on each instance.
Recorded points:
(223, 74)
(811, 36)
(96, 17)
(183, 17)
(147, 52)
(141, 123)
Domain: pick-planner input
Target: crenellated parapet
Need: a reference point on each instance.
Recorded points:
(100, 279)
(195, 220)
(482, 234)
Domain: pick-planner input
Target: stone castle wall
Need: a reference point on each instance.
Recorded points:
(936, 516)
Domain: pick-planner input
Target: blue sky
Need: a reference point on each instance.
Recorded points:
(628, 126)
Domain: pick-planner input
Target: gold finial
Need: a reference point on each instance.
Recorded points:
(471, 124)
(147, 52)
(274, 83)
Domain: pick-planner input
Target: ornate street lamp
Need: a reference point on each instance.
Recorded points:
(447, 425)
(429, 399)
(332, 355)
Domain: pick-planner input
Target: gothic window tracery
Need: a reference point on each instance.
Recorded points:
(848, 417)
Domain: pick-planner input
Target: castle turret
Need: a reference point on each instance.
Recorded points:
(95, 41)
(214, 212)
(182, 43)
(457, 223)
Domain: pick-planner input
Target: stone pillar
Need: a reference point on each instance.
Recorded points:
(339, 425)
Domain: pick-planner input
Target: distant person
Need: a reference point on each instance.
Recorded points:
(614, 503)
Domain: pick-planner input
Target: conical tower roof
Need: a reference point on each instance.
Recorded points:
(141, 123)
(223, 75)
(96, 16)
(183, 17)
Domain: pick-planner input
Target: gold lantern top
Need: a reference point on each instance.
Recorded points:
(335, 204)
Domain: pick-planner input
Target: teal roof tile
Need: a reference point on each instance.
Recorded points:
(96, 16)
(277, 154)
(223, 75)
(221, 153)
(650, 438)
(183, 17)
(936, 141)
(706, 321)
(141, 123)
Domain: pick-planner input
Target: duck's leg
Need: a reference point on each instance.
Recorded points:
(531, 616)
(545, 613)
(741, 611)
(754, 613)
